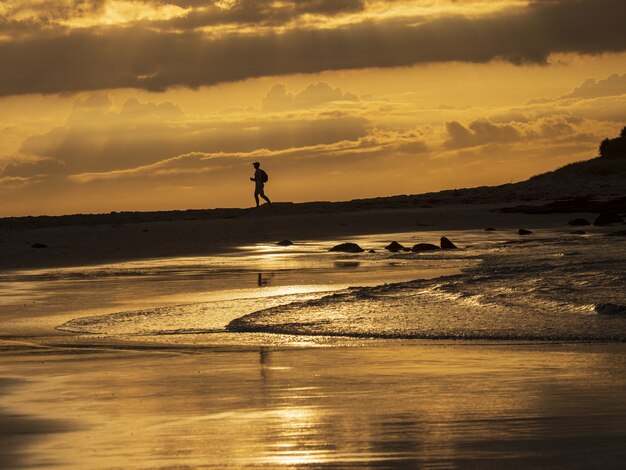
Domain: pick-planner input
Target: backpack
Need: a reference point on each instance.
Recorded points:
(264, 176)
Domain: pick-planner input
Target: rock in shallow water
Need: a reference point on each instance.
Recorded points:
(610, 309)
(285, 243)
(347, 248)
(523, 231)
(394, 247)
(447, 244)
(424, 247)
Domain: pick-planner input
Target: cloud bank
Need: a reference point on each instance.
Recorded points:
(193, 49)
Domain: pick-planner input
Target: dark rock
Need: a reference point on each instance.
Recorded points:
(578, 232)
(447, 244)
(610, 309)
(394, 247)
(620, 233)
(523, 231)
(372, 251)
(145, 230)
(39, 245)
(490, 229)
(608, 218)
(579, 222)
(285, 243)
(424, 247)
(347, 248)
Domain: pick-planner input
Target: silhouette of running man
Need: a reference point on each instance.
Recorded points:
(259, 184)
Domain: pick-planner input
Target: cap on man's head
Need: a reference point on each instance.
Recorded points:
(256, 164)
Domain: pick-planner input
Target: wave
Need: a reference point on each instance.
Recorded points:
(561, 290)
(534, 291)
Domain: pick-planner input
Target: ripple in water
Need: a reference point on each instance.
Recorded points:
(564, 290)
(559, 289)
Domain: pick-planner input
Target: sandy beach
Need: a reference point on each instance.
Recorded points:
(116, 350)
(107, 239)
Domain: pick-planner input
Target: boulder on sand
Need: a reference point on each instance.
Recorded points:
(447, 244)
(608, 218)
(490, 229)
(578, 222)
(578, 232)
(285, 243)
(424, 247)
(394, 247)
(523, 231)
(347, 248)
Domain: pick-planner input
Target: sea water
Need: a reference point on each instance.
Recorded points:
(549, 286)
(559, 288)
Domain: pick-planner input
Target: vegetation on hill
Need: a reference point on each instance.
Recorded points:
(611, 162)
(614, 148)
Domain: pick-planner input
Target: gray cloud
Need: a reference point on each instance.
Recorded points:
(259, 12)
(143, 57)
(611, 86)
(313, 95)
(479, 132)
(95, 138)
(552, 127)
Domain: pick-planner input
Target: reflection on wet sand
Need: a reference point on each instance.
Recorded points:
(264, 279)
(375, 407)
(19, 431)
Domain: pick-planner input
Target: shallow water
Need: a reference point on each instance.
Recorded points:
(499, 286)
(197, 295)
(230, 361)
(391, 406)
(560, 288)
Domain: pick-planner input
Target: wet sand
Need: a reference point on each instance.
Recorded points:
(178, 401)
(391, 405)
(95, 241)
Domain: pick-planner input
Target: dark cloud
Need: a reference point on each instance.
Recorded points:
(143, 57)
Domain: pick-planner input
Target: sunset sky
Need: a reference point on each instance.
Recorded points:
(111, 105)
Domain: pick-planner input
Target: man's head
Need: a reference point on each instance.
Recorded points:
(256, 165)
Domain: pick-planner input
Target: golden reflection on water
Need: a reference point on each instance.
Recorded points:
(381, 406)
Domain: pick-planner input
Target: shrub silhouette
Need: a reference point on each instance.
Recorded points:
(614, 148)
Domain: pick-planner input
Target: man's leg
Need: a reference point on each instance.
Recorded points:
(261, 192)
(256, 197)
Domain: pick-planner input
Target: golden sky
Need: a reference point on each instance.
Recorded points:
(111, 105)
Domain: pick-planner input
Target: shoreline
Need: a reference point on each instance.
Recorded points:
(80, 245)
